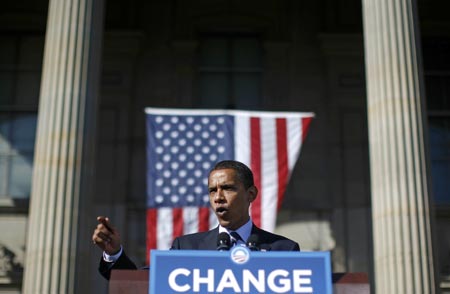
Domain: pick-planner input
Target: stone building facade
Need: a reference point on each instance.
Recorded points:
(371, 184)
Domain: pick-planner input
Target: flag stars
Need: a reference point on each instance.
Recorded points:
(186, 147)
(206, 149)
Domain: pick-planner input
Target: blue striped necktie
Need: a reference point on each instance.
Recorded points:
(235, 238)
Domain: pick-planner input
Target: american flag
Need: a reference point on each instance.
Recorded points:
(183, 145)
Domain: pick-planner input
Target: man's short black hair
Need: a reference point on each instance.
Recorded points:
(243, 173)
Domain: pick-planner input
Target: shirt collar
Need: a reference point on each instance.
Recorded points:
(244, 231)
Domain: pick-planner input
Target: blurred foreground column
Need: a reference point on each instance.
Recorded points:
(403, 253)
(58, 240)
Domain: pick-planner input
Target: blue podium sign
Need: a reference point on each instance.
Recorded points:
(239, 271)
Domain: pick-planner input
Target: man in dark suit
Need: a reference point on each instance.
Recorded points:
(231, 191)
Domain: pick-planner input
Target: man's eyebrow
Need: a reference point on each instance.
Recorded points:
(227, 185)
(222, 185)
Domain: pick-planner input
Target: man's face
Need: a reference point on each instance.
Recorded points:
(229, 199)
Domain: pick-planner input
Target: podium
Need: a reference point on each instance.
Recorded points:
(136, 281)
(238, 270)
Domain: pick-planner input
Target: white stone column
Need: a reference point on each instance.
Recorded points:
(403, 253)
(58, 241)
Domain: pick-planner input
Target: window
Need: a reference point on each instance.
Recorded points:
(436, 54)
(17, 133)
(229, 72)
(20, 71)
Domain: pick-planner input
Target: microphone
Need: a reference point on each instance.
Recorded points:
(223, 242)
(253, 243)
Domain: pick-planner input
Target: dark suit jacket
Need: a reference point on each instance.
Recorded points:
(206, 241)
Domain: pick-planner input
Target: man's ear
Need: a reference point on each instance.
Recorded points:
(253, 193)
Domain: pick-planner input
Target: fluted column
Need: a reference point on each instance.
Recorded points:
(57, 240)
(403, 253)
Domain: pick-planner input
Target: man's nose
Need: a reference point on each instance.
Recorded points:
(218, 196)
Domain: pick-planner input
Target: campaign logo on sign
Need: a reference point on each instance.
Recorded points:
(240, 254)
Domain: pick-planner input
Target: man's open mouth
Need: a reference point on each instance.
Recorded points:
(221, 210)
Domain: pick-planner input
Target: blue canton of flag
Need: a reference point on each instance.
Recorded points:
(182, 150)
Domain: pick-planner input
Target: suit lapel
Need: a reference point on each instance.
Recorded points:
(264, 243)
(209, 242)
